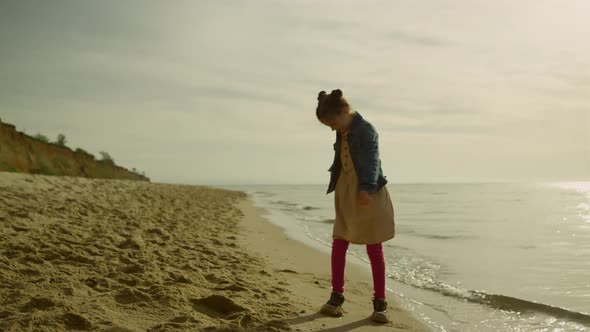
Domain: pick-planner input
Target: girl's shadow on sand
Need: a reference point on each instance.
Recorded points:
(347, 327)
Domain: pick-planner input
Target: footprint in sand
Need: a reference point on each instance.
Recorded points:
(212, 278)
(39, 303)
(159, 231)
(30, 272)
(129, 281)
(233, 288)
(185, 319)
(217, 306)
(179, 277)
(133, 268)
(135, 243)
(131, 295)
(287, 271)
(98, 284)
(74, 321)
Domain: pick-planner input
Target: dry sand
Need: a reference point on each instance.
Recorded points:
(120, 255)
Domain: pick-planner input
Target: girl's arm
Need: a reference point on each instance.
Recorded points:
(369, 174)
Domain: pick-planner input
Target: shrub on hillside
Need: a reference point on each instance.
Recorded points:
(41, 137)
(106, 158)
(61, 140)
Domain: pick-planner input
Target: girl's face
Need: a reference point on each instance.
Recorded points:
(338, 122)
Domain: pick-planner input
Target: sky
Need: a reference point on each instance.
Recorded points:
(224, 92)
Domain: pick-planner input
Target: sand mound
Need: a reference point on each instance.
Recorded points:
(117, 255)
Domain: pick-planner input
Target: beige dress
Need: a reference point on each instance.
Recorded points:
(360, 224)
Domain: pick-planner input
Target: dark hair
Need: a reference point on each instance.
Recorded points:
(330, 104)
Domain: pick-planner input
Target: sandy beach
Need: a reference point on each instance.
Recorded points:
(121, 255)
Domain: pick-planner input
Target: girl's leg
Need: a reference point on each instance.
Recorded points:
(339, 248)
(375, 252)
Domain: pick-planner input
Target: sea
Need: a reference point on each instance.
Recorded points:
(467, 256)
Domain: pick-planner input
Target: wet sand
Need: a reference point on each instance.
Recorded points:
(306, 271)
(121, 255)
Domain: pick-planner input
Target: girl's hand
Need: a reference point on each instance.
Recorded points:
(363, 198)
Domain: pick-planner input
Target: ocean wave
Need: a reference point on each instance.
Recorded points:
(422, 272)
(497, 301)
(408, 230)
(445, 237)
(307, 207)
(317, 219)
(292, 206)
(265, 193)
(510, 303)
(282, 202)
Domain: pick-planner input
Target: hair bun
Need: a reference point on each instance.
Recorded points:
(321, 95)
(337, 93)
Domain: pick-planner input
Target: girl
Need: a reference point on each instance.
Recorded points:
(364, 212)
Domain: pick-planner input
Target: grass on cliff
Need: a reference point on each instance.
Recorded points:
(57, 164)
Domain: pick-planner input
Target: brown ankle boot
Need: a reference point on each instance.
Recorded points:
(379, 314)
(334, 305)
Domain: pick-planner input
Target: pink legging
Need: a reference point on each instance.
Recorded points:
(375, 253)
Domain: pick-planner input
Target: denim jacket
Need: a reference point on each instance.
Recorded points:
(364, 152)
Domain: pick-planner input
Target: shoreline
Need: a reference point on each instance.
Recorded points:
(307, 275)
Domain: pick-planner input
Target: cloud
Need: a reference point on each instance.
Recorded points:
(417, 39)
(208, 83)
